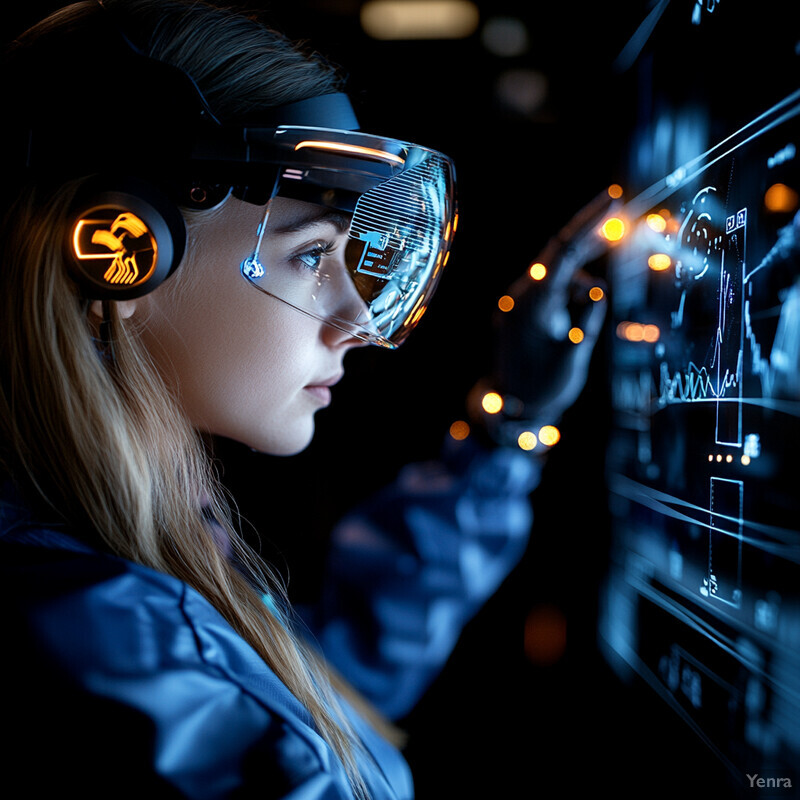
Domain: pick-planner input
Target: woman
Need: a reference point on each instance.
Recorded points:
(177, 266)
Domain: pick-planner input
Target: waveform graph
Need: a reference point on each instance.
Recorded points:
(705, 546)
(730, 332)
(772, 317)
(715, 317)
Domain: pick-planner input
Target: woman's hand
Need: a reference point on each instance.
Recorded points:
(544, 343)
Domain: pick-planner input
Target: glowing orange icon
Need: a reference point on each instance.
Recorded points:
(121, 238)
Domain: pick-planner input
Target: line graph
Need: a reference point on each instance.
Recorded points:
(720, 376)
(702, 459)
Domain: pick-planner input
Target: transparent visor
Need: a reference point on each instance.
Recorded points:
(357, 231)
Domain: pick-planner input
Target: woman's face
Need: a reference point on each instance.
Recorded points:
(244, 364)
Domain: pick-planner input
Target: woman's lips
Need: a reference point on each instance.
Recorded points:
(320, 393)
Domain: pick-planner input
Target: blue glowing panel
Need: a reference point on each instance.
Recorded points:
(703, 596)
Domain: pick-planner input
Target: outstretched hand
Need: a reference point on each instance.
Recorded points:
(544, 342)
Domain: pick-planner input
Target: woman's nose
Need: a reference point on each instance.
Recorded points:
(345, 307)
(336, 338)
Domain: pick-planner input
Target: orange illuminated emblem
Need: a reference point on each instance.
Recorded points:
(121, 239)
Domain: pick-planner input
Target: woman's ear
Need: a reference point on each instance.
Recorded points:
(125, 308)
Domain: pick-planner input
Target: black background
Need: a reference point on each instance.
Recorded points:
(496, 723)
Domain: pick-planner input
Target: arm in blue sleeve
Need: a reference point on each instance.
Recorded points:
(410, 567)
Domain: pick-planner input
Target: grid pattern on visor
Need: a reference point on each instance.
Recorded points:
(399, 223)
(400, 209)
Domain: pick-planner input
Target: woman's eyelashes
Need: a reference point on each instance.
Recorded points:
(311, 257)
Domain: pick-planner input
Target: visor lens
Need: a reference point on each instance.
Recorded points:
(357, 232)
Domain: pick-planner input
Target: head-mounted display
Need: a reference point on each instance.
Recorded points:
(397, 198)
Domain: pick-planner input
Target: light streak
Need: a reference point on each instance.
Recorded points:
(785, 110)
(786, 542)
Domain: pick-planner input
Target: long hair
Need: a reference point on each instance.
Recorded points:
(106, 448)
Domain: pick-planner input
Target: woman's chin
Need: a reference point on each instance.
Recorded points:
(286, 443)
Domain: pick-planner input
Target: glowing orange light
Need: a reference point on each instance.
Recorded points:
(780, 197)
(635, 332)
(596, 293)
(455, 223)
(527, 440)
(613, 229)
(652, 333)
(545, 639)
(729, 458)
(745, 460)
(638, 332)
(615, 191)
(505, 303)
(537, 271)
(354, 149)
(656, 222)
(418, 316)
(575, 335)
(492, 403)
(549, 435)
(416, 313)
(658, 262)
(459, 430)
(419, 19)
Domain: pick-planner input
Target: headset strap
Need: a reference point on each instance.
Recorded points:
(323, 111)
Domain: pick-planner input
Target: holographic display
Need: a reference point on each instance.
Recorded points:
(702, 600)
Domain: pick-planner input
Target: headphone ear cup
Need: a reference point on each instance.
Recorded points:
(125, 238)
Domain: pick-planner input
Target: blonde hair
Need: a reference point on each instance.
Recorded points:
(105, 446)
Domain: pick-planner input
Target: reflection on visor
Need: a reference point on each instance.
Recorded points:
(399, 223)
(375, 279)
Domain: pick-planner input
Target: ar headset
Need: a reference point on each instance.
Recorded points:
(145, 135)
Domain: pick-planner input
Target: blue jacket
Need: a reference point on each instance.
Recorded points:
(123, 678)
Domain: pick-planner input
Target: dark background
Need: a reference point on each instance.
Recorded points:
(502, 721)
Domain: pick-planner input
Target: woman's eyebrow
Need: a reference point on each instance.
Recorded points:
(336, 218)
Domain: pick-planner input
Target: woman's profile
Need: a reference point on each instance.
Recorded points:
(195, 233)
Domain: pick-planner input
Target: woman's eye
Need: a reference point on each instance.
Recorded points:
(311, 259)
